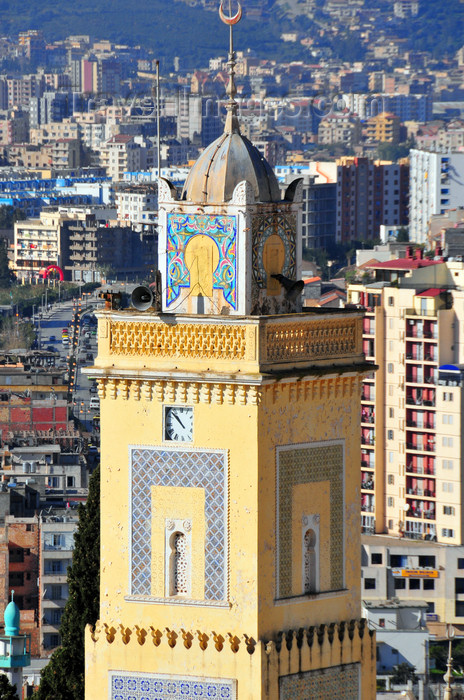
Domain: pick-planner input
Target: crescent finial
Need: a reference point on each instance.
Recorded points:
(230, 20)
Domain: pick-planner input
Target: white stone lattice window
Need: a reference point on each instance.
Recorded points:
(178, 558)
(310, 553)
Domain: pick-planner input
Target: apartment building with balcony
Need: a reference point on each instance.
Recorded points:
(38, 243)
(412, 415)
(56, 550)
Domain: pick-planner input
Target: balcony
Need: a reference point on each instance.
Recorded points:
(368, 485)
(367, 416)
(425, 425)
(367, 464)
(420, 469)
(424, 313)
(421, 447)
(367, 440)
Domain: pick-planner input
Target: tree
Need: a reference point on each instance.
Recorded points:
(403, 235)
(7, 691)
(6, 275)
(402, 673)
(63, 677)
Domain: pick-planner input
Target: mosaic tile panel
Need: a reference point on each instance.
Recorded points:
(181, 228)
(334, 683)
(306, 465)
(262, 228)
(146, 687)
(184, 468)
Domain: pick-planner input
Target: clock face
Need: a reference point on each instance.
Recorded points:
(178, 423)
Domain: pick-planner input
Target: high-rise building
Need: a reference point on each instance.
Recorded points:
(436, 185)
(230, 545)
(411, 412)
(370, 193)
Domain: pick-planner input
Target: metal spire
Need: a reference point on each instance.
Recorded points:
(232, 124)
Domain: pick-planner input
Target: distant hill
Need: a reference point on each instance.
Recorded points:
(173, 28)
(169, 28)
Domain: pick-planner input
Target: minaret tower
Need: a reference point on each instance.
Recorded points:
(15, 648)
(230, 545)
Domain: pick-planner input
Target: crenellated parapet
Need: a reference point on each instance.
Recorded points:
(306, 656)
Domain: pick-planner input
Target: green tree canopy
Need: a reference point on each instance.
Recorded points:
(63, 677)
(7, 691)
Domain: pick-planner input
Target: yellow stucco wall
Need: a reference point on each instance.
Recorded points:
(260, 425)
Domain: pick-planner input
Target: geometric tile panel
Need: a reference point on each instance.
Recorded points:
(306, 465)
(179, 468)
(335, 683)
(159, 687)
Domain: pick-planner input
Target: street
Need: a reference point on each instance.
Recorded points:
(50, 328)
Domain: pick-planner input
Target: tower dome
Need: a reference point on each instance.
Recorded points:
(229, 160)
(11, 618)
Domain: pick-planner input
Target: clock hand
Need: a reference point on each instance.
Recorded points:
(179, 420)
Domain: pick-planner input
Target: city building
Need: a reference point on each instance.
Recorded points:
(137, 205)
(384, 127)
(230, 458)
(401, 632)
(336, 129)
(436, 185)
(56, 550)
(415, 572)
(369, 194)
(411, 415)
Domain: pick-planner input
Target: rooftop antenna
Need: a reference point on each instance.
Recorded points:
(232, 124)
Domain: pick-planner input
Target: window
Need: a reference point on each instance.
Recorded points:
(427, 560)
(447, 487)
(414, 584)
(447, 419)
(376, 558)
(447, 396)
(70, 481)
(459, 586)
(391, 301)
(461, 563)
(390, 502)
(400, 584)
(29, 528)
(447, 464)
(16, 554)
(429, 584)
(459, 608)
(398, 560)
(389, 434)
(448, 510)
(391, 412)
(381, 622)
(369, 584)
(310, 583)
(431, 607)
(390, 368)
(390, 477)
(16, 578)
(55, 593)
(447, 532)
(447, 442)
(390, 524)
(180, 563)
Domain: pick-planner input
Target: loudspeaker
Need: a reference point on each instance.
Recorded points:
(142, 298)
(293, 288)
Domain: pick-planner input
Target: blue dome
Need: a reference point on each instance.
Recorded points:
(11, 618)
